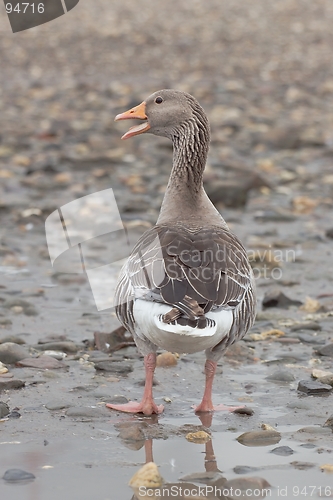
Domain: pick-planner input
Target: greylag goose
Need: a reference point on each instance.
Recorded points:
(187, 285)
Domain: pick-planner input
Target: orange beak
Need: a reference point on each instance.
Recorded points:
(139, 113)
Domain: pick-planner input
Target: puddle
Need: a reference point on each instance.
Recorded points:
(100, 466)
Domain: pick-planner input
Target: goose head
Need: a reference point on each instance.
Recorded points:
(164, 113)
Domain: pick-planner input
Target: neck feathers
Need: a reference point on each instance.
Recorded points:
(190, 148)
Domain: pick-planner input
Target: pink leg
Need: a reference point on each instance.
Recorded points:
(147, 405)
(206, 403)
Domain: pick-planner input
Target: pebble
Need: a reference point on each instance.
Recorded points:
(24, 306)
(329, 422)
(302, 465)
(57, 405)
(327, 468)
(310, 339)
(11, 353)
(320, 373)
(199, 437)
(116, 400)
(119, 367)
(245, 410)
(244, 469)
(326, 350)
(283, 451)
(268, 334)
(166, 359)
(42, 363)
(259, 438)
(327, 379)
(132, 433)
(4, 409)
(148, 476)
(314, 430)
(329, 233)
(56, 354)
(12, 338)
(3, 369)
(17, 476)
(68, 347)
(313, 387)
(240, 487)
(281, 376)
(14, 414)
(276, 298)
(310, 325)
(12, 383)
(5, 321)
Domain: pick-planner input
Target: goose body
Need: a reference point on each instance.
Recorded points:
(188, 285)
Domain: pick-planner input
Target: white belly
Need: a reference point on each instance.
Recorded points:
(178, 338)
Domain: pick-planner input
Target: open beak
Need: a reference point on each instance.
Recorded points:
(138, 113)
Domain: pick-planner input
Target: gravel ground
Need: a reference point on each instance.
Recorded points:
(263, 72)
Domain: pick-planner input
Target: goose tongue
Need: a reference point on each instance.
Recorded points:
(139, 113)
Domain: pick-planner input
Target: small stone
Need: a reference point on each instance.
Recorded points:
(283, 451)
(326, 380)
(313, 387)
(275, 298)
(56, 355)
(132, 433)
(4, 409)
(329, 233)
(310, 339)
(66, 346)
(327, 468)
(14, 414)
(314, 430)
(302, 465)
(199, 437)
(11, 353)
(245, 410)
(240, 487)
(166, 359)
(42, 363)
(17, 476)
(310, 325)
(311, 305)
(148, 477)
(119, 367)
(3, 369)
(320, 373)
(57, 405)
(281, 376)
(5, 321)
(329, 422)
(326, 350)
(259, 438)
(268, 334)
(6, 384)
(12, 338)
(244, 469)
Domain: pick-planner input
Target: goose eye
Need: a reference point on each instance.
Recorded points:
(158, 100)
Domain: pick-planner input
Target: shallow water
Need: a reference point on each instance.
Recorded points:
(100, 466)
